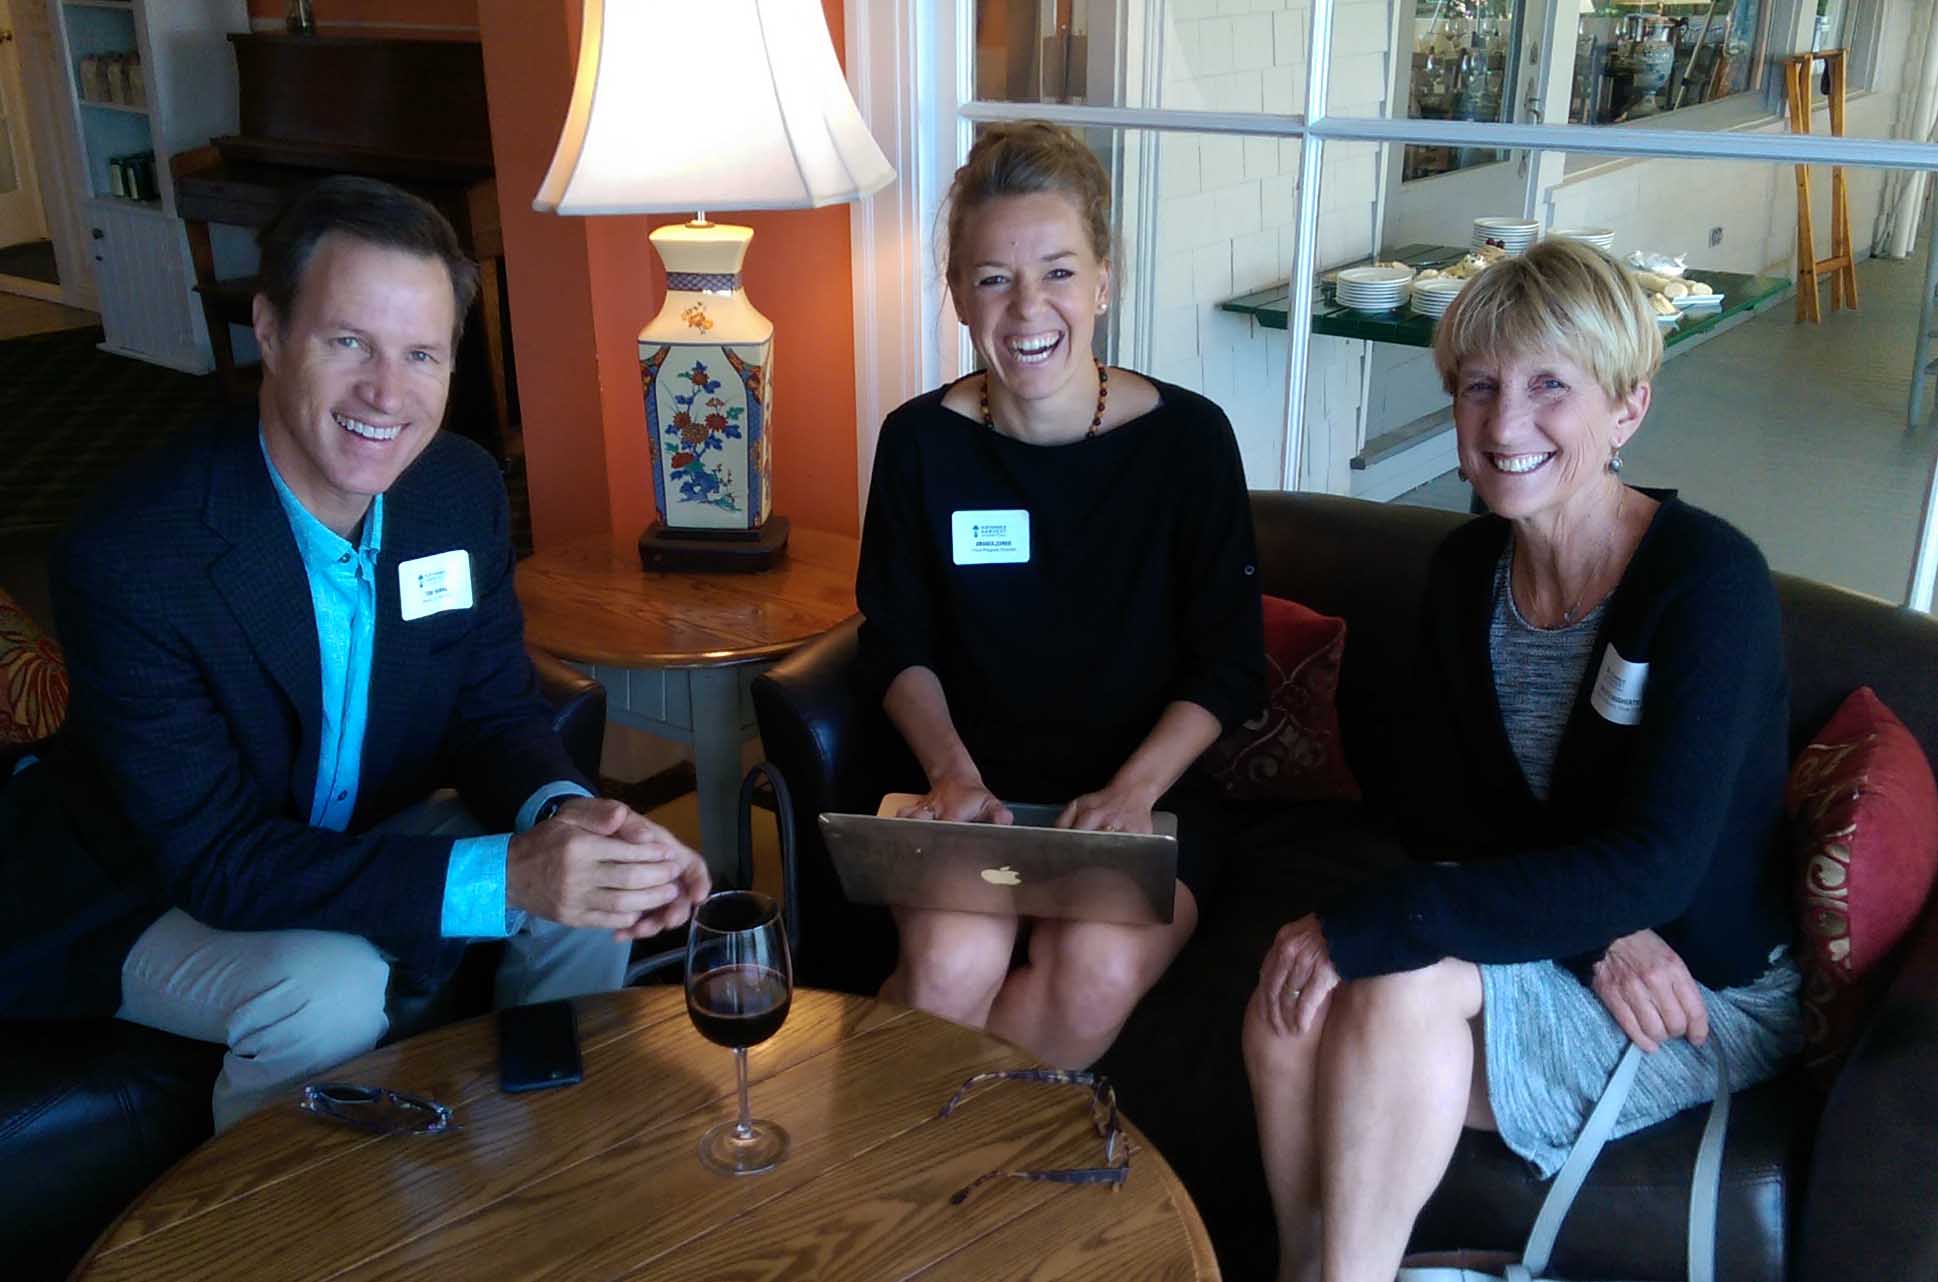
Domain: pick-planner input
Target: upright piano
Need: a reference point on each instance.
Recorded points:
(410, 112)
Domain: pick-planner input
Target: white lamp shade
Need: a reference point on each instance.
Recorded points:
(709, 104)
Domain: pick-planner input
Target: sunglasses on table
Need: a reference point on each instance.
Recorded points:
(1103, 1117)
(377, 1109)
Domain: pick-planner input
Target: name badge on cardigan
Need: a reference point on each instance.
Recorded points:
(1618, 689)
(433, 584)
(998, 536)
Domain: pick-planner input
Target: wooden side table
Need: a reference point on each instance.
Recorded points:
(678, 652)
(603, 1179)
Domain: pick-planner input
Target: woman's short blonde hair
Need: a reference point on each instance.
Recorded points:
(1561, 296)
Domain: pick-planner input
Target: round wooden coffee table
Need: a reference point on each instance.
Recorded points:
(603, 1181)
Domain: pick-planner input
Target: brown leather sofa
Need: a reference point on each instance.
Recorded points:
(1814, 1190)
(91, 1111)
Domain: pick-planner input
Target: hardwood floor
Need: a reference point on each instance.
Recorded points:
(20, 316)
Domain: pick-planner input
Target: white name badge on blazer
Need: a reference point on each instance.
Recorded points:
(1618, 689)
(999, 536)
(433, 584)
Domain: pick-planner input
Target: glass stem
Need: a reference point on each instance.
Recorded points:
(745, 1128)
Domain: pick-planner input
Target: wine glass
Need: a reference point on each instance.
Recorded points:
(739, 982)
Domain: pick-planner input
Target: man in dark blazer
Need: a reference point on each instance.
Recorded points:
(285, 633)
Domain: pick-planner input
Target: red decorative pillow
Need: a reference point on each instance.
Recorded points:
(33, 678)
(1866, 809)
(1292, 750)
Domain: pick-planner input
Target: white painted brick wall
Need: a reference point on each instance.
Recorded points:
(1227, 211)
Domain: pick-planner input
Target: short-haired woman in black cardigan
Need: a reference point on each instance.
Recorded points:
(1612, 669)
(1092, 657)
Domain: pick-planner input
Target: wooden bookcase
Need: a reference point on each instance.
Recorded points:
(186, 95)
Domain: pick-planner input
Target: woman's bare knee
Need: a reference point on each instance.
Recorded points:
(952, 964)
(1097, 973)
(1445, 990)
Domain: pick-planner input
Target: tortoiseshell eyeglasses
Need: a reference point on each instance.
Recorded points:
(1103, 1116)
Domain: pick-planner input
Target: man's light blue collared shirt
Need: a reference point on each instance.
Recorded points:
(343, 591)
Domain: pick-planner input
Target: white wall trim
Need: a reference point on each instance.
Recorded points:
(911, 66)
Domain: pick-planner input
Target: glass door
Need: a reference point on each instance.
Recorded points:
(1462, 63)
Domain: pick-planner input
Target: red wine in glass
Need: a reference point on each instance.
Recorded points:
(739, 984)
(739, 1006)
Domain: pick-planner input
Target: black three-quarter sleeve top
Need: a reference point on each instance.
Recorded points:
(1135, 586)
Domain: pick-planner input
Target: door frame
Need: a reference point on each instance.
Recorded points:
(42, 94)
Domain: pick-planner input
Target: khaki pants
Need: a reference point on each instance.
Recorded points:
(290, 1004)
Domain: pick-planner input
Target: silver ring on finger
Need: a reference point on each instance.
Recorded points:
(1295, 993)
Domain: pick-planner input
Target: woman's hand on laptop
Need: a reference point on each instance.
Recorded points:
(1116, 808)
(959, 799)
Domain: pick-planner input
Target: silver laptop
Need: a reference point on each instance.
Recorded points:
(1030, 868)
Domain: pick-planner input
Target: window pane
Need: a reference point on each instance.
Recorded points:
(1200, 222)
(1464, 62)
(1186, 55)
(1688, 64)
(1631, 65)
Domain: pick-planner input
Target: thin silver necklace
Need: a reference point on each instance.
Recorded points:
(1572, 614)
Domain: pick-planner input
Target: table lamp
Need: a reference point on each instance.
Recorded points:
(694, 105)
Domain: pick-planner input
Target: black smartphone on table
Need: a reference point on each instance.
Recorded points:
(538, 1047)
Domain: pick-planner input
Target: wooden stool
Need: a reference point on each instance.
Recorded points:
(1841, 266)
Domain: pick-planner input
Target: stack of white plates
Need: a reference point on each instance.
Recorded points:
(1431, 297)
(1512, 234)
(1372, 289)
(1697, 302)
(1602, 238)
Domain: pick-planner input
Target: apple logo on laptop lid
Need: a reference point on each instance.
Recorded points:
(1003, 876)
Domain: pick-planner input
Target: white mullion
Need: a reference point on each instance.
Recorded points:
(1306, 244)
(1078, 116)
(1924, 555)
(1607, 140)
(1620, 140)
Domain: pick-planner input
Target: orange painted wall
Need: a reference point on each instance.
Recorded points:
(529, 52)
(580, 288)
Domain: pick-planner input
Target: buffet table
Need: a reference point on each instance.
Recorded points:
(1743, 297)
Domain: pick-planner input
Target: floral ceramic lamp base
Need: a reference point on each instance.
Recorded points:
(704, 369)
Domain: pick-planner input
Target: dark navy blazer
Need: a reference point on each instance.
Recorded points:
(186, 770)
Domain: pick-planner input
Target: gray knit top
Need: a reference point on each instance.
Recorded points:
(1537, 673)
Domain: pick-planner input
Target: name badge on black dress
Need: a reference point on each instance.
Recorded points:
(999, 536)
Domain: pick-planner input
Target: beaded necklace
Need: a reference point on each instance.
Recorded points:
(1096, 420)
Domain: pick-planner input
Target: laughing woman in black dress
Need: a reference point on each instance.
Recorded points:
(1094, 646)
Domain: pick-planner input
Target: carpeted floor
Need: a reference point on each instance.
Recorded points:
(72, 415)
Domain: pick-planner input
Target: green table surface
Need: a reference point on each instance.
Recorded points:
(1270, 306)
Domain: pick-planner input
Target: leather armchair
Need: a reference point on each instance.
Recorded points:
(1857, 1204)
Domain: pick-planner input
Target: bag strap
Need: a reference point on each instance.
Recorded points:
(1574, 1171)
(1704, 1185)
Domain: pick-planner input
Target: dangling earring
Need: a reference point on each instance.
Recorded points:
(1615, 459)
(1103, 305)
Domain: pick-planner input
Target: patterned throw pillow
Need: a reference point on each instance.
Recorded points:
(1866, 809)
(33, 678)
(1292, 750)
